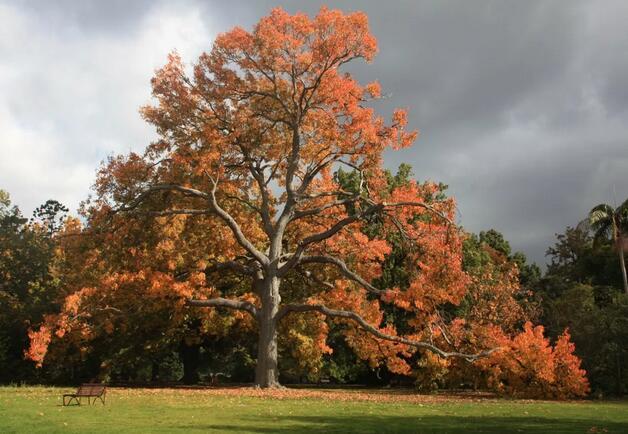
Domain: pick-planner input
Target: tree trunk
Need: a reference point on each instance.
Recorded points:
(622, 262)
(266, 371)
(190, 358)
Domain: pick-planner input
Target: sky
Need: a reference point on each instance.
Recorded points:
(522, 106)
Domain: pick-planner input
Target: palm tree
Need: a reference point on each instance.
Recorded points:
(608, 222)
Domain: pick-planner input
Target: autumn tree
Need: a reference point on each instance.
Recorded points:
(249, 139)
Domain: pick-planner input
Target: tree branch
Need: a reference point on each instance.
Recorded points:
(161, 187)
(349, 315)
(226, 303)
(179, 211)
(230, 265)
(235, 227)
(337, 227)
(298, 214)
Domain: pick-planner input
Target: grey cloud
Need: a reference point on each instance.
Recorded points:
(522, 106)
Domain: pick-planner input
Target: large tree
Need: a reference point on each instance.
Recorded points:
(249, 139)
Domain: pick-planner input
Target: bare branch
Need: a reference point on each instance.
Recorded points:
(337, 227)
(161, 187)
(349, 315)
(231, 265)
(179, 211)
(310, 275)
(264, 212)
(325, 194)
(313, 211)
(226, 303)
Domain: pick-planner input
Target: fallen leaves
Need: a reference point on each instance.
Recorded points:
(332, 395)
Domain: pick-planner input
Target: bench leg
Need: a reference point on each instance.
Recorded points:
(65, 404)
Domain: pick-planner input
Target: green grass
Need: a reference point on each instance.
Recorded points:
(39, 410)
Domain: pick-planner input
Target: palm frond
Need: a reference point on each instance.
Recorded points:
(601, 215)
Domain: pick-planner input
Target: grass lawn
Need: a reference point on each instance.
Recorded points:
(245, 410)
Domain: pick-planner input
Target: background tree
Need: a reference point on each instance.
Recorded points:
(612, 223)
(50, 215)
(582, 290)
(29, 286)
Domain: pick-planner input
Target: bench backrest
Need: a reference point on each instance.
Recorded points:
(90, 389)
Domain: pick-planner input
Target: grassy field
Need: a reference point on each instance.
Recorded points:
(39, 410)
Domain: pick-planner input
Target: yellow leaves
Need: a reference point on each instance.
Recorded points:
(305, 336)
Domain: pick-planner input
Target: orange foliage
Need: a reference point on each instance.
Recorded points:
(529, 366)
(39, 341)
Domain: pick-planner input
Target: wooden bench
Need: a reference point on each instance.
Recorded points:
(89, 391)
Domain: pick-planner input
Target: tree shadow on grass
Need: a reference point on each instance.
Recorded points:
(420, 425)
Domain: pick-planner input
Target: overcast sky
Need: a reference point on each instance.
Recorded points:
(522, 106)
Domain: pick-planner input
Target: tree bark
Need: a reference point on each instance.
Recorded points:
(622, 262)
(266, 371)
(190, 358)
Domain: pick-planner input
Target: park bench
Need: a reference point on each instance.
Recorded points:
(89, 391)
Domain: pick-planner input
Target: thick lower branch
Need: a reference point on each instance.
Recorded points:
(235, 266)
(349, 315)
(226, 303)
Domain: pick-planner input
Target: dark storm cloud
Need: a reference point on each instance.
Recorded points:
(522, 106)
